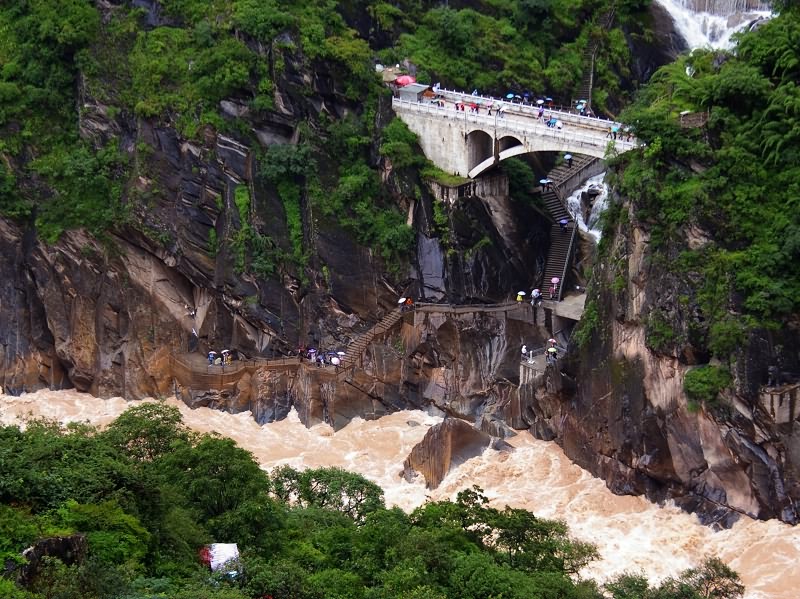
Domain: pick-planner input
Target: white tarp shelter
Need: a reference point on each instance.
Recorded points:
(221, 554)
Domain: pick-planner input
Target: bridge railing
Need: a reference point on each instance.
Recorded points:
(534, 128)
(530, 109)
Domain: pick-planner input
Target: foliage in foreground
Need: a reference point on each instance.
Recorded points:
(147, 494)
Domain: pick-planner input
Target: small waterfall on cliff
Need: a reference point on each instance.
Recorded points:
(711, 23)
(591, 222)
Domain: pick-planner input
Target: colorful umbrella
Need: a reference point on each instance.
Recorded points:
(509, 95)
(405, 80)
(521, 293)
(402, 300)
(555, 280)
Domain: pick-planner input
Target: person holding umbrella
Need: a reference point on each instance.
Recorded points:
(552, 355)
(520, 295)
(554, 286)
(563, 224)
(568, 158)
(536, 298)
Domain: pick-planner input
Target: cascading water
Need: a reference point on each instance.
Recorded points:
(591, 224)
(711, 23)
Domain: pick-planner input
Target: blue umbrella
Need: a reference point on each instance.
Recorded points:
(509, 95)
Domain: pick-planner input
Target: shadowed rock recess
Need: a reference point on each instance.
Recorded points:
(117, 315)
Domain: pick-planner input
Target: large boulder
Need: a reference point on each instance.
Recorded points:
(445, 445)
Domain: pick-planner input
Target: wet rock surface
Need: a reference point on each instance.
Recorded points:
(444, 446)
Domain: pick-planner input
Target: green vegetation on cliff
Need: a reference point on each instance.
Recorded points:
(147, 494)
(172, 66)
(720, 201)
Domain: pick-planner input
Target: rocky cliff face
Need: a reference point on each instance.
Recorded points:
(105, 316)
(629, 420)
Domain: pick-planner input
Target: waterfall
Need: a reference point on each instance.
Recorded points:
(591, 224)
(711, 23)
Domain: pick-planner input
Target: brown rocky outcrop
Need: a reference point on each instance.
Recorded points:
(629, 420)
(69, 550)
(444, 446)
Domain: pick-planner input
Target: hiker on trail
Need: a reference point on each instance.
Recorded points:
(559, 124)
(519, 297)
(409, 303)
(524, 351)
(552, 355)
(540, 116)
(536, 298)
(552, 342)
(563, 224)
(773, 378)
(568, 158)
(614, 131)
(609, 133)
(211, 356)
(554, 286)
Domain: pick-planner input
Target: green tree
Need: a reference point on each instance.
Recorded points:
(147, 431)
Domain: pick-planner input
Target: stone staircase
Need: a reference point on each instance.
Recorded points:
(560, 174)
(561, 240)
(587, 81)
(356, 349)
(589, 56)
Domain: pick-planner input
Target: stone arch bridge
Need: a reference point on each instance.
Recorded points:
(467, 143)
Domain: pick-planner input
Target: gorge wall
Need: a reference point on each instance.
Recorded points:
(106, 315)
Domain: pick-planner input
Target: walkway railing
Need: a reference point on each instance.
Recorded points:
(534, 127)
(561, 113)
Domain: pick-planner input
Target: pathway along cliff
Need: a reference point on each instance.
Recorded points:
(631, 533)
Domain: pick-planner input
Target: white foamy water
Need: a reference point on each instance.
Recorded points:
(598, 207)
(631, 533)
(711, 23)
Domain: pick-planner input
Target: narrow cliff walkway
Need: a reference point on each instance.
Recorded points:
(194, 372)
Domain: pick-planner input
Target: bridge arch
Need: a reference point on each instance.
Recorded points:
(507, 142)
(480, 148)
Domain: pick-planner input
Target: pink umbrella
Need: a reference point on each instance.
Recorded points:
(555, 280)
(405, 80)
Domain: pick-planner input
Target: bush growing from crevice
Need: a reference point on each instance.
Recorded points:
(704, 383)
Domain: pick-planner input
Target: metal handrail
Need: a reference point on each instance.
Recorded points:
(567, 261)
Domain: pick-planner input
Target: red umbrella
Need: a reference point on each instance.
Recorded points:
(405, 80)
